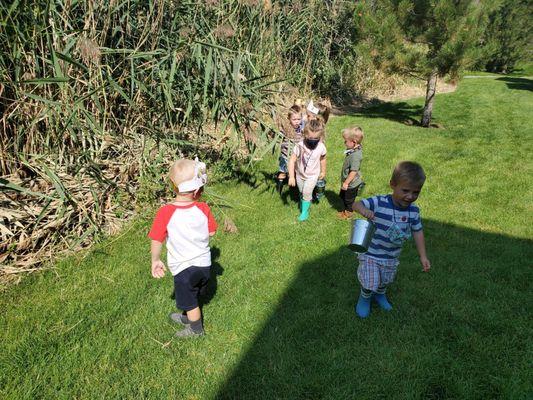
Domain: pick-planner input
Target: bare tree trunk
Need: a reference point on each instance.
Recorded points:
(430, 96)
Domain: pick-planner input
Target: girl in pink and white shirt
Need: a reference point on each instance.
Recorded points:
(308, 164)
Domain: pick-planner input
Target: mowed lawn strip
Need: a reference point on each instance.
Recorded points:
(280, 320)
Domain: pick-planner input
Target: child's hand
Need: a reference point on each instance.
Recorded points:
(426, 265)
(368, 214)
(292, 182)
(158, 269)
(344, 186)
(321, 176)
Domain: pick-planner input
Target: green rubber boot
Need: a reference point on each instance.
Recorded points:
(304, 213)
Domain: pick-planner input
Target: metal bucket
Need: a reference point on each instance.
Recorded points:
(362, 232)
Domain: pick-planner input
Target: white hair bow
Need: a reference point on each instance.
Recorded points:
(198, 180)
(312, 109)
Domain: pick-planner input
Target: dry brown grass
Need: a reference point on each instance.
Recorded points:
(45, 215)
(412, 89)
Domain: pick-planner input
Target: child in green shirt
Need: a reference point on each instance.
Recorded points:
(351, 181)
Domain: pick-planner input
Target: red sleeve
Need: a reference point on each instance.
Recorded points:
(159, 226)
(211, 223)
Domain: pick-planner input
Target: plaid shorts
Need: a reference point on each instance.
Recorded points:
(374, 273)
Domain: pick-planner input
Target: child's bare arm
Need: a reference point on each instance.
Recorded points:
(322, 167)
(361, 209)
(420, 243)
(351, 176)
(292, 162)
(158, 268)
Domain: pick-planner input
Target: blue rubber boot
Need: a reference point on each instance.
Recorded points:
(362, 309)
(382, 301)
(304, 213)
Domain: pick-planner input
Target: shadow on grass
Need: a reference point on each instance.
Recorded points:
(460, 331)
(518, 83)
(334, 200)
(259, 179)
(212, 285)
(402, 112)
(265, 181)
(290, 195)
(250, 178)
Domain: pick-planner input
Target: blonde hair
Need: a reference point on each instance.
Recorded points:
(354, 134)
(181, 170)
(284, 123)
(315, 126)
(295, 109)
(408, 171)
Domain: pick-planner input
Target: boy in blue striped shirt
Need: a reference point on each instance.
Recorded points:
(397, 218)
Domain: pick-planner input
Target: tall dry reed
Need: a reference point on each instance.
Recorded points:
(95, 95)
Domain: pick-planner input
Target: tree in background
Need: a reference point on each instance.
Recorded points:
(507, 37)
(423, 38)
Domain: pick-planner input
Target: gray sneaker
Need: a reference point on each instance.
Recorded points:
(187, 332)
(178, 318)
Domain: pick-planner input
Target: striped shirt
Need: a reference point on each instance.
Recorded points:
(407, 219)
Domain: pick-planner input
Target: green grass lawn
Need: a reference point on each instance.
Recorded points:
(523, 68)
(279, 318)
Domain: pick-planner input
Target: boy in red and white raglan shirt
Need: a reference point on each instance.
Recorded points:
(186, 225)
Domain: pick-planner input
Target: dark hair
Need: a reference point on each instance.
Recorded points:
(324, 107)
(408, 171)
